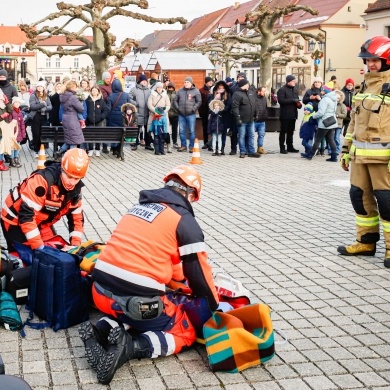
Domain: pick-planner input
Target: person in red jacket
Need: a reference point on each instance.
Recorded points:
(156, 243)
(39, 201)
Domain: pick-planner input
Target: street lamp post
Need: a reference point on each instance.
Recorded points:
(317, 54)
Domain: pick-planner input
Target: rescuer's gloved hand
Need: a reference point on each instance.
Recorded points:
(344, 161)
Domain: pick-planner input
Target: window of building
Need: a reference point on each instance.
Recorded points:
(303, 77)
(388, 31)
(76, 62)
(297, 41)
(7, 50)
(48, 62)
(58, 62)
(278, 77)
(24, 50)
(58, 79)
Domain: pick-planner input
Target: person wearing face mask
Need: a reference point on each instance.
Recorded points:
(8, 89)
(157, 242)
(32, 208)
(366, 150)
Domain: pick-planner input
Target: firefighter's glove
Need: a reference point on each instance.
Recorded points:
(344, 161)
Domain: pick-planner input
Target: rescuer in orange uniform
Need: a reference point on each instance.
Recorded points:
(35, 205)
(157, 241)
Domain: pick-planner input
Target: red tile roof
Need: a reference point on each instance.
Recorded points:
(238, 13)
(60, 40)
(197, 29)
(302, 19)
(161, 39)
(379, 5)
(12, 34)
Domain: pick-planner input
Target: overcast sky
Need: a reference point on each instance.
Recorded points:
(28, 11)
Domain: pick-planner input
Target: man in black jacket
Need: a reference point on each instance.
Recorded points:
(243, 110)
(204, 109)
(289, 103)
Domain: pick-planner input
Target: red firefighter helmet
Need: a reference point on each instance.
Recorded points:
(189, 175)
(376, 47)
(75, 163)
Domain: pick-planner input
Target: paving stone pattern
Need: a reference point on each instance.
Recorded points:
(274, 223)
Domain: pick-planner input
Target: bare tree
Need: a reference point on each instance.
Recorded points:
(95, 16)
(266, 41)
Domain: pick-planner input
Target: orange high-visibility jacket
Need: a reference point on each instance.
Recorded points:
(40, 201)
(156, 241)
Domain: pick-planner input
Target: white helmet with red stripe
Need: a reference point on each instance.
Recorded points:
(189, 175)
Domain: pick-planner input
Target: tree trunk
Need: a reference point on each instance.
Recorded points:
(266, 72)
(101, 65)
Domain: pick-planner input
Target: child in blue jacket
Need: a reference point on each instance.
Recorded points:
(159, 127)
(308, 127)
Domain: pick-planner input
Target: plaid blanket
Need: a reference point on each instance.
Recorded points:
(239, 338)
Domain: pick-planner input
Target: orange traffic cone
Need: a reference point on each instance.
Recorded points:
(41, 157)
(196, 154)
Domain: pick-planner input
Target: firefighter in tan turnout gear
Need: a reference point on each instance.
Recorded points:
(367, 149)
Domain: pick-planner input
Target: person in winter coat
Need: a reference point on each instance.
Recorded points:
(216, 125)
(187, 101)
(8, 89)
(326, 109)
(348, 91)
(24, 94)
(17, 115)
(159, 129)
(40, 106)
(314, 94)
(157, 241)
(97, 112)
(341, 114)
(261, 114)
(139, 96)
(159, 98)
(106, 88)
(366, 150)
(8, 126)
(243, 110)
(114, 103)
(289, 103)
(71, 106)
(54, 115)
(221, 92)
(129, 115)
(308, 127)
(203, 110)
(173, 114)
(32, 208)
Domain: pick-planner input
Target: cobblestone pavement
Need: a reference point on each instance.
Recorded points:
(274, 223)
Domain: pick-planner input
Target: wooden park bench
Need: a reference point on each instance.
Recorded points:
(107, 135)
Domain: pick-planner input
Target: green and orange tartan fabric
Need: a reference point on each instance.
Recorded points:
(239, 338)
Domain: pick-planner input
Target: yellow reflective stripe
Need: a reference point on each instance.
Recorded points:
(370, 96)
(372, 152)
(386, 226)
(348, 136)
(367, 222)
(352, 150)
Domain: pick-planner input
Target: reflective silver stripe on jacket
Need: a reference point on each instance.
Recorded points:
(369, 145)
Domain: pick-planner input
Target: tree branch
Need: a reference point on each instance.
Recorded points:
(146, 18)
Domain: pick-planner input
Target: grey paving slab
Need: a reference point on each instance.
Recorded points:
(274, 223)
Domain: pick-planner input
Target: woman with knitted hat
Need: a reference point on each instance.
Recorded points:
(314, 94)
(40, 106)
(326, 111)
(348, 91)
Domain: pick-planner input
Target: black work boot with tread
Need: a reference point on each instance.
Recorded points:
(94, 351)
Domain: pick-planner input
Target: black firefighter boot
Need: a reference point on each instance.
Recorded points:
(93, 343)
(122, 347)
